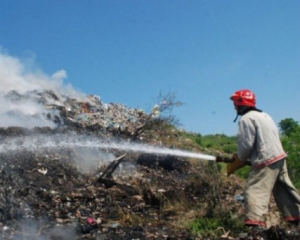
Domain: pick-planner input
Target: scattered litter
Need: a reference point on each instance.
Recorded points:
(239, 198)
(43, 171)
(114, 225)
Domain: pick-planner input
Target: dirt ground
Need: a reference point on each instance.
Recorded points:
(47, 193)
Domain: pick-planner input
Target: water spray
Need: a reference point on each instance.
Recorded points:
(37, 143)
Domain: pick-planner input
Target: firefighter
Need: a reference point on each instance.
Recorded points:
(259, 143)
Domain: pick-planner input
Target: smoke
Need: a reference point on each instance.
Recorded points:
(32, 229)
(22, 87)
(15, 76)
(89, 159)
(25, 113)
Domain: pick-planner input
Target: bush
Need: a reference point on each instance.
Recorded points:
(219, 142)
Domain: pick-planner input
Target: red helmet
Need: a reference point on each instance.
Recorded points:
(244, 97)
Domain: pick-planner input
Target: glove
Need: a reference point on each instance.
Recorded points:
(234, 165)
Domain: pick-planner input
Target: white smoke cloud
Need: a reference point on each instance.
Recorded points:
(27, 112)
(89, 159)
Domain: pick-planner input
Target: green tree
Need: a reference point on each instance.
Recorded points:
(290, 137)
(288, 126)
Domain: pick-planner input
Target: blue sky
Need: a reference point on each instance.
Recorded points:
(130, 51)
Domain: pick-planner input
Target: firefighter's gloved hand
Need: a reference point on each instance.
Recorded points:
(235, 165)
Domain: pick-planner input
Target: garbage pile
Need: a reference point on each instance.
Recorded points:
(112, 117)
(86, 111)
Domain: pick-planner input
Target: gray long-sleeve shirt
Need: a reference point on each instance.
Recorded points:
(258, 140)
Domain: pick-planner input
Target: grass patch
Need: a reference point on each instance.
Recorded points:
(215, 227)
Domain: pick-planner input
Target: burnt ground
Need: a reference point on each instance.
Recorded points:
(47, 194)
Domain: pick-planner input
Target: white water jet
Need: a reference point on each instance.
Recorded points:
(40, 142)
